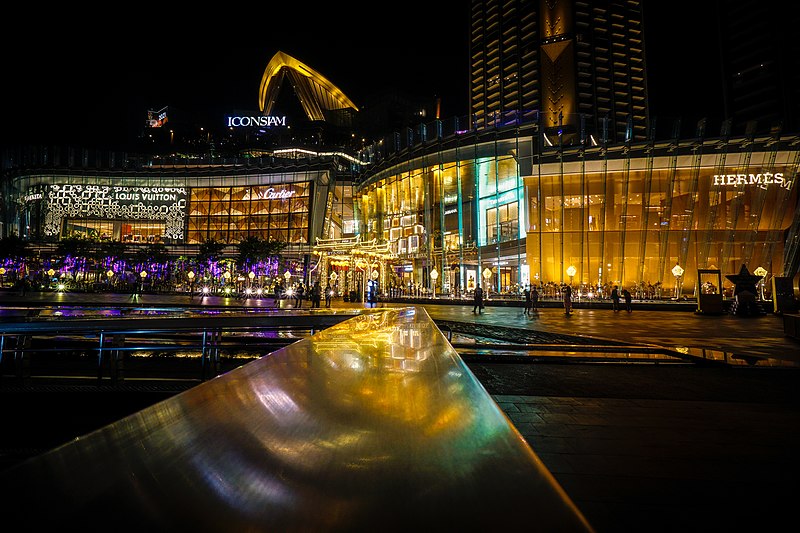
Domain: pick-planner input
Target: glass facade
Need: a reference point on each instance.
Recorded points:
(628, 221)
(231, 214)
(186, 209)
(499, 214)
(457, 211)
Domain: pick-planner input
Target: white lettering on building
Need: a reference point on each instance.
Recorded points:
(760, 180)
(260, 121)
(272, 194)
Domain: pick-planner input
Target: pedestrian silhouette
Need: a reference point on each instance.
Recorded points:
(567, 299)
(615, 299)
(528, 301)
(477, 299)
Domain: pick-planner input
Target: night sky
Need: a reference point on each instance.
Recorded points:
(90, 78)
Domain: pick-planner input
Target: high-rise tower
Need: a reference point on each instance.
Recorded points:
(577, 67)
(760, 64)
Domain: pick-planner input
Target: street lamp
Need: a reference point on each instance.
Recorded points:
(287, 276)
(252, 276)
(434, 277)
(677, 271)
(761, 271)
(143, 275)
(486, 275)
(571, 271)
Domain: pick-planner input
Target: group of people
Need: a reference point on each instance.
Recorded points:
(298, 294)
(626, 296)
(532, 299)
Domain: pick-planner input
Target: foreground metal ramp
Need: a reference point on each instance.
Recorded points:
(372, 424)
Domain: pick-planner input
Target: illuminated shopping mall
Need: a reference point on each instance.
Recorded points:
(510, 208)
(522, 191)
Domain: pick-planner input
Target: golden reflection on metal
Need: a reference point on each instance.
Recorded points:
(374, 423)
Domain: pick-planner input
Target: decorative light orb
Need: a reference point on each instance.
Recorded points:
(251, 275)
(110, 273)
(571, 271)
(760, 271)
(434, 274)
(287, 275)
(143, 274)
(677, 271)
(191, 275)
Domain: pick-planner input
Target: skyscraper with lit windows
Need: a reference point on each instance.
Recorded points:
(578, 68)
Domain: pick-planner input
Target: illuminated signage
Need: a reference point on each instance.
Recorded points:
(156, 119)
(67, 201)
(33, 197)
(270, 194)
(260, 121)
(760, 180)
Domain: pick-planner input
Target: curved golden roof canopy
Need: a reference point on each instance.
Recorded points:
(313, 90)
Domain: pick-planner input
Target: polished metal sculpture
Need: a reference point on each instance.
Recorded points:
(371, 424)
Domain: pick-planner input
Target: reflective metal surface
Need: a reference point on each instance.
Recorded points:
(371, 424)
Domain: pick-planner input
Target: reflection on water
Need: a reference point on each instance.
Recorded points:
(17, 313)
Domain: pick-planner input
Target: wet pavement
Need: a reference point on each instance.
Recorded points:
(638, 447)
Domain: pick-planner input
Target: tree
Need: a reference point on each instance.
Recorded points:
(210, 251)
(254, 249)
(77, 248)
(13, 247)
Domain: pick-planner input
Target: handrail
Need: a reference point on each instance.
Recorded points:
(208, 328)
(372, 423)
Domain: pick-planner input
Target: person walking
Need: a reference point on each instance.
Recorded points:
(567, 300)
(298, 295)
(316, 294)
(328, 295)
(615, 299)
(372, 293)
(278, 292)
(627, 296)
(534, 298)
(527, 299)
(477, 300)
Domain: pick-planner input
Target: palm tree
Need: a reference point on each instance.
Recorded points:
(254, 249)
(210, 251)
(14, 250)
(77, 248)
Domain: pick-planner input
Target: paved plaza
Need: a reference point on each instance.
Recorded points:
(638, 447)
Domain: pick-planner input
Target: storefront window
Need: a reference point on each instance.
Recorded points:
(229, 215)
